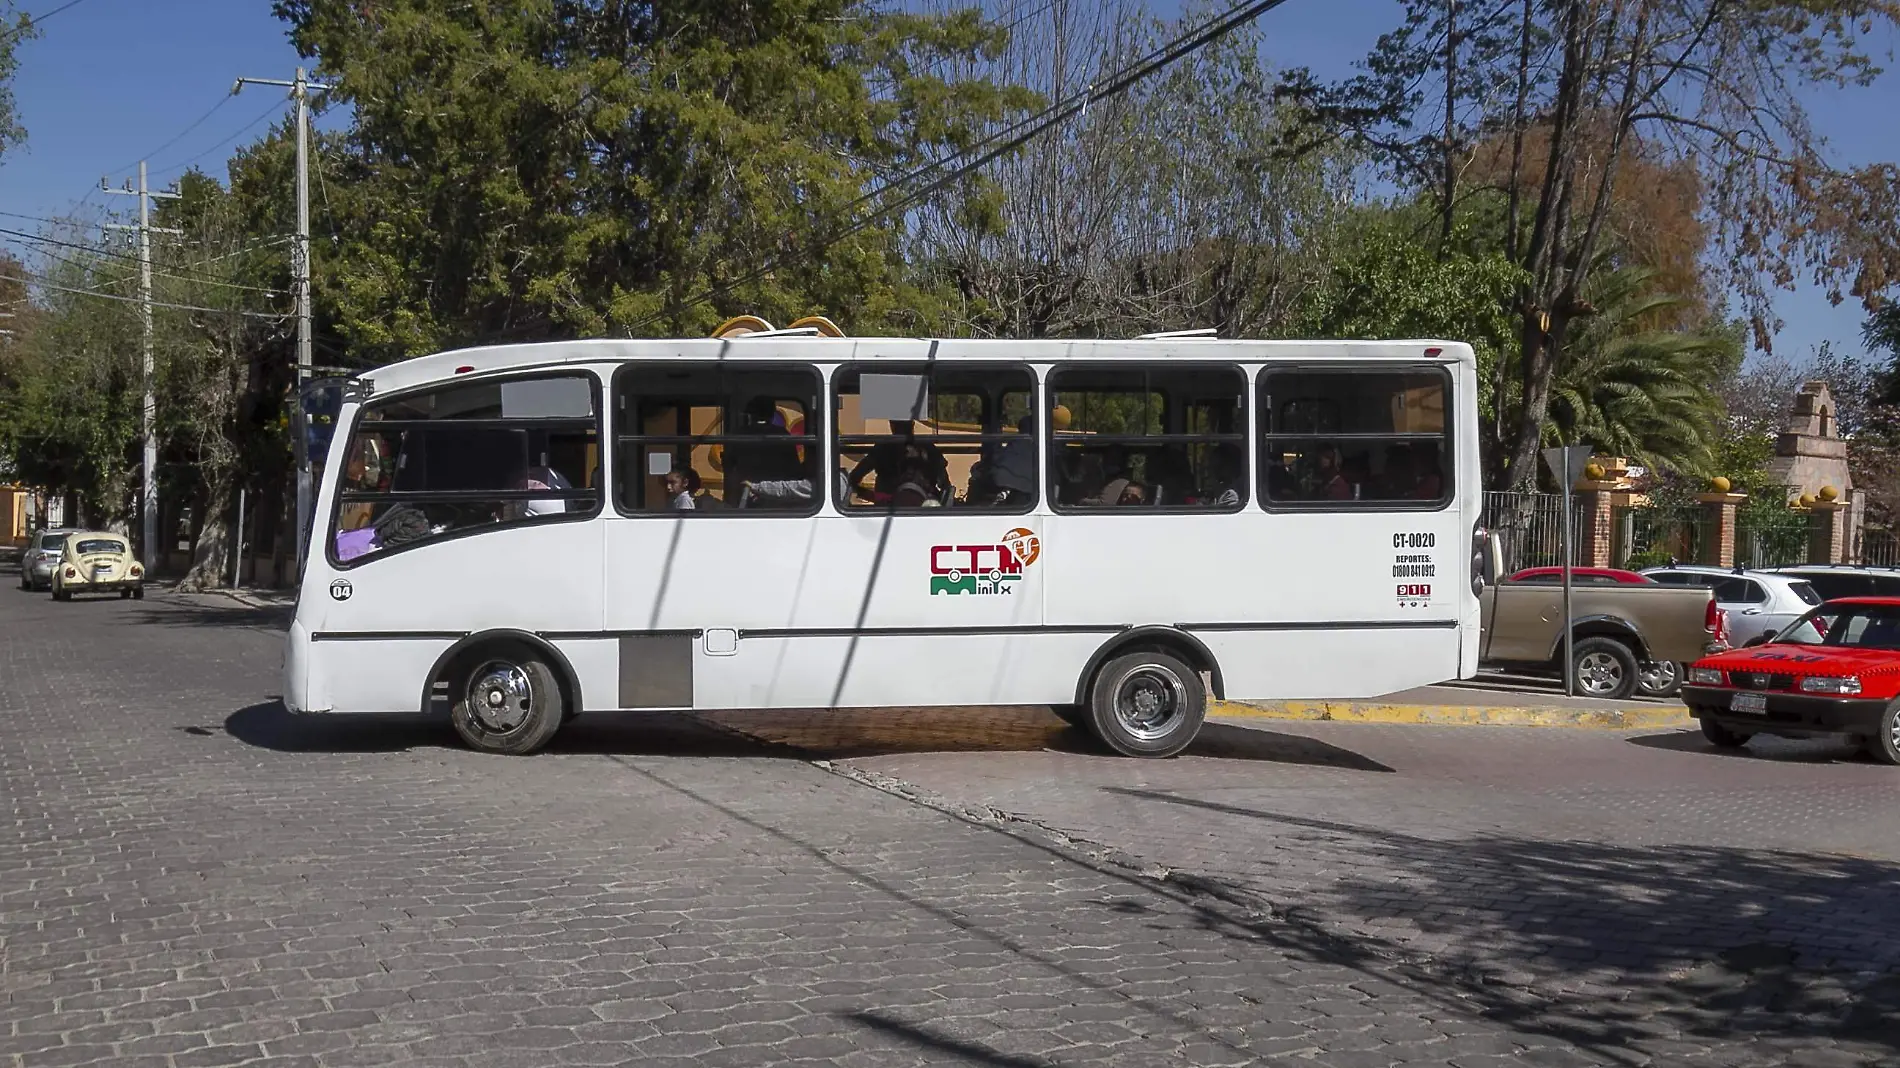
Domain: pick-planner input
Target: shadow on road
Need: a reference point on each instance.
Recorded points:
(1619, 949)
(782, 734)
(1790, 750)
(163, 608)
(269, 725)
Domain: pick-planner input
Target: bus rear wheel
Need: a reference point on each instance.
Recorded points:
(509, 702)
(1147, 704)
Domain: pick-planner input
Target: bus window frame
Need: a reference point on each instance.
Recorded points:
(839, 491)
(357, 421)
(820, 439)
(1447, 438)
(1053, 446)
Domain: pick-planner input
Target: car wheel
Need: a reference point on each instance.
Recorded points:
(1659, 678)
(1723, 738)
(138, 594)
(1146, 704)
(125, 595)
(509, 703)
(1603, 668)
(1884, 746)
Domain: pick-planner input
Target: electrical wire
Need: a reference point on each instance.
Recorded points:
(240, 132)
(277, 316)
(25, 238)
(32, 21)
(1000, 143)
(179, 136)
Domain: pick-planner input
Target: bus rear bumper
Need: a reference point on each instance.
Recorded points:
(303, 692)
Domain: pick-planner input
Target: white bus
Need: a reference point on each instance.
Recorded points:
(1122, 530)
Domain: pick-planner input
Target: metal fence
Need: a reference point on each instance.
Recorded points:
(1880, 548)
(1657, 534)
(1771, 538)
(1530, 526)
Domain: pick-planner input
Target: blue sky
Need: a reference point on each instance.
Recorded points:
(111, 80)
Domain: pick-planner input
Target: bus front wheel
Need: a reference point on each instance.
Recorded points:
(510, 702)
(1147, 704)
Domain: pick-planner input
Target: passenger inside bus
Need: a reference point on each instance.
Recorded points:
(682, 489)
(894, 464)
(769, 473)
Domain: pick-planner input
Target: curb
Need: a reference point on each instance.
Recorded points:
(1623, 718)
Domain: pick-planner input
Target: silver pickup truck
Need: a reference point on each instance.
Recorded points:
(1627, 637)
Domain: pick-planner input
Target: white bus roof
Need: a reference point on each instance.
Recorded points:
(781, 349)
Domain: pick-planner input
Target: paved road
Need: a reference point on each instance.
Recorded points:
(190, 877)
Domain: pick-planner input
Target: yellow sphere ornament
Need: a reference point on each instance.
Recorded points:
(1720, 484)
(1828, 493)
(1806, 500)
(1594, 472)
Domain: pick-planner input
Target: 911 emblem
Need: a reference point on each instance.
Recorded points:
(340, 590)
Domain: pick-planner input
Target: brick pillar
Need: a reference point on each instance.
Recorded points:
(1827, 521)
(1718, 536)
(1596, 513)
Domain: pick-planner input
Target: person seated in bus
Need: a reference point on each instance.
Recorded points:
(1014, 474)
(1112, 465)
(1399, 478)
(1226, 465)
(682, 489)
(549, 479)
(1329, 477)
(1134, 493)
(1358, 472)
(768, 458)
(1171, 477)
(769, 472)
(888, 463)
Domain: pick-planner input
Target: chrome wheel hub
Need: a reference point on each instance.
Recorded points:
(500, 697)
(1599, 673)
(1658, 675)
(1149, 702)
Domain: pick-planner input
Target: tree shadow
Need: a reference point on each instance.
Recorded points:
(186, 610)
(1621, 949)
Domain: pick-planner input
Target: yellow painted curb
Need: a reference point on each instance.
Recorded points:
(1628, 717)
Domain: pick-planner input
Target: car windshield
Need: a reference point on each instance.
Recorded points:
(50, 543)
(1805, 591)
(101, 545)
(1858, 626)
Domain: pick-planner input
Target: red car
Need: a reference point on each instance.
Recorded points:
(1835, 670)
(1579, 576)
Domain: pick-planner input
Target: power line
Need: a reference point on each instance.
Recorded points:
(179, 136)
(22, 237)
(43, 284)
(240, 132)
(1004, 141)
(34, 20)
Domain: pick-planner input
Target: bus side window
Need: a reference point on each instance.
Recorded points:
(921, 436)
(1338, 438)
(425, 465)
(706, 439)
(1124, 436)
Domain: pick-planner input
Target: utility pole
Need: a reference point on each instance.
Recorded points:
(148, 482)
(300, 89)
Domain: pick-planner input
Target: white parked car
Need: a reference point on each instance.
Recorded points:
(1757, 603)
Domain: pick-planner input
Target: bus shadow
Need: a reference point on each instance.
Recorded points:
(842, 734)
(786, 734)
(269, 725)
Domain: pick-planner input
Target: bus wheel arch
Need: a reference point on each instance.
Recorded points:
(453, 668)
(1145, 694)
(1173, 641)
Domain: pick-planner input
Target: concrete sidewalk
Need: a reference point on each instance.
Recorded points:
(1478, 702)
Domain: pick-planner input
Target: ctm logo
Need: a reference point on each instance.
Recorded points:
(990, 569)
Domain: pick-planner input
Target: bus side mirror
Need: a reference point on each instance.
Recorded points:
(1487, 555)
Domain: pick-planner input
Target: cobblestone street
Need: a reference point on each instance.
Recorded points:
(189, 876)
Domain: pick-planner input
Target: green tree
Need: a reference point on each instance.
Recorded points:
(1708, 84)
(1643, 393)
(16, 28)
(561, 167)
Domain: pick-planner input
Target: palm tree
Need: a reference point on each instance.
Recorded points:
(1635, 391)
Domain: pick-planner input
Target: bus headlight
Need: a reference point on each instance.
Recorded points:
(1817, 684)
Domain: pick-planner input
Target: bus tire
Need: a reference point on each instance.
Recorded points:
(509, 701)
(1147, 704)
